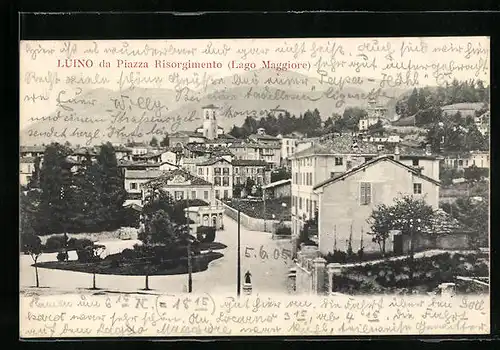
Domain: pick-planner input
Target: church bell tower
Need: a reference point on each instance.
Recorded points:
(210, 121)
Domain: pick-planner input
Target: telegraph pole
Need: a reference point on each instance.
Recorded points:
(238, 288)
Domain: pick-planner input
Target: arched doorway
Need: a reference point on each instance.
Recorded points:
(214, 221)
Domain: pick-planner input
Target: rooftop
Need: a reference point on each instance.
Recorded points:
(176, 175)
(212, 161)
(27, 159)
(142, 174)
(342, 144)
(26, 149)
(249, 162)
(464, 106)
(369, 163)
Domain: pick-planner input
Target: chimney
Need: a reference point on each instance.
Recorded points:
(396, 153)
(428, 150)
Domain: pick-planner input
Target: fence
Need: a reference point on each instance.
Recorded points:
(253, 224)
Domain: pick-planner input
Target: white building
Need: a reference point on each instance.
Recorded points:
(321, 162)
(288, 145)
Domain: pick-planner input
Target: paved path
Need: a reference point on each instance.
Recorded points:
(268, 275)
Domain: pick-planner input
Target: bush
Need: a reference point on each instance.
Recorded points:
(82, 243)
(338, 256)
(62, 256)
(208, 233)
(55, 243)
(129, 254)
(284, 230)
(84, 255)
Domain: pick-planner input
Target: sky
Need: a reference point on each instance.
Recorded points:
(39, 61)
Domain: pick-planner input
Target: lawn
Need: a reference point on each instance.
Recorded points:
(256, 208)
(114, 265)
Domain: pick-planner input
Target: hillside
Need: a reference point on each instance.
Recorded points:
(235, 103)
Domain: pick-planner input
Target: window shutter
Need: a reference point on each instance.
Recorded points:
(368, 193)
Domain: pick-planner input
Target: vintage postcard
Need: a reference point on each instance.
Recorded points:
(307, 186)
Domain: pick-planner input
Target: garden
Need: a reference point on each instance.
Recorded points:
(272, 210)
(420, 276)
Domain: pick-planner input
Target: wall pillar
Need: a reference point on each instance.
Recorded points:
(319, 275)
(334, 269)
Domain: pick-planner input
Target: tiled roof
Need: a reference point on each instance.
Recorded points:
(342, 144)
(82, 151)
(264, 137)
(165, 177)
(142, 174)
(248, 162)
(186, 134)
(26, 149)
(27, 159)
(464, 106)
(126, 163)
(212, 161)
(370, 163)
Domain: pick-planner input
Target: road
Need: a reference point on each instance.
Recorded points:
(268, 274)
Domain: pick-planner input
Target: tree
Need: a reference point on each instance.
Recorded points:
(473, 215)
(33, 246)
(165, 142)
(153, 142)
(160, 228)
(280, 174)
(55, 180)
(409, 215)
(110, 184)
(413, 102)
(249, 184)
(35, 178)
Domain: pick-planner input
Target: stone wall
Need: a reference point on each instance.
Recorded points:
(250, 223)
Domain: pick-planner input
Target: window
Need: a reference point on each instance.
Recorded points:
(332, 174)
(200, 171)
(415, 162)
(294, 201)
(314, 205)
(217, 171)
(226, 194)
(300, 202)
(466, 162)
(217, 194)
(417, 188)
(217, 181)
(339, 160)
(225, 181)
(205, 194)
(238, 180)
(178, 195)
(460, 162)
(365, 193)
(236, 170)
(193, 194)
(225, 171)
(307, 205)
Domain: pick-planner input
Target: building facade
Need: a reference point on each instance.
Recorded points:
(347, 201)
(219, 172)
(257, 170)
